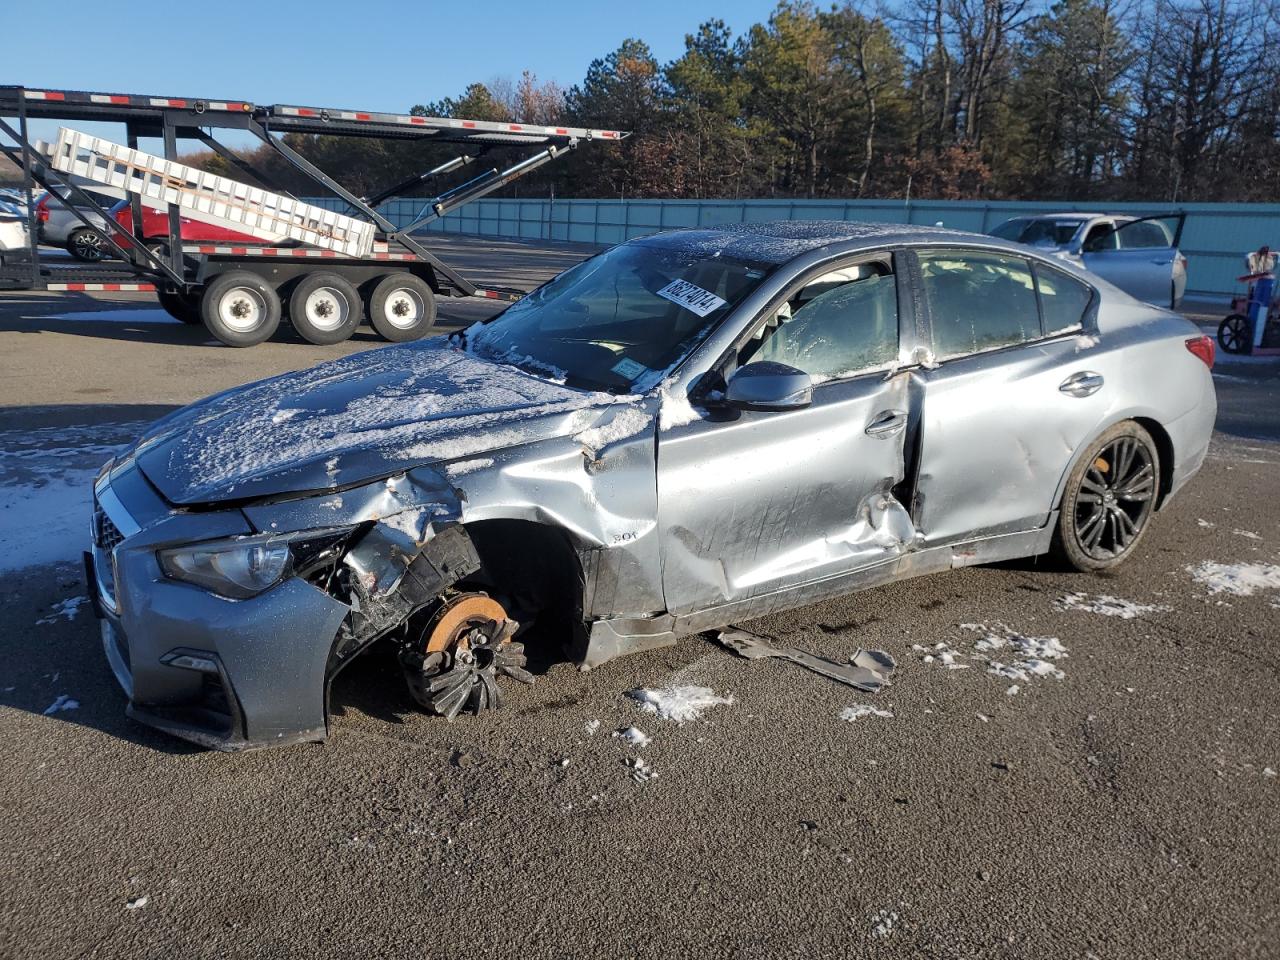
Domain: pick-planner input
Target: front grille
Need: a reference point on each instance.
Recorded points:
(105, 533)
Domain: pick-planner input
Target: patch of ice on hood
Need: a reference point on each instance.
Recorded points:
(626, 422)
(63, 609)
(850, 714)
(681, 704)
(1109, 606)
(462, 467)
(1237, 579)
(675, 411)
(416, 391)
(280, 416)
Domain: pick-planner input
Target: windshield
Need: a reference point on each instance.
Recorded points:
(1054, 233)
(619, 321)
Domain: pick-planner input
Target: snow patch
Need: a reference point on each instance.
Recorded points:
(1108, 606)
(64, 610)
(883, 924)
(675, 411)
(462, 467)
(1247, 534)
(941, 653)
(625, 423)
(1237, 579)
(591, 726)
(850, 714)
(280, 416)
(633, 735)
(63, 702)
(681, 704)
(641, 772)
(136, 903)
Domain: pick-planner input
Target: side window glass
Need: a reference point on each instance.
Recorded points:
(1100, 238)
(1143, 234)
(1063, 299)
(835, 326)
(978, 301)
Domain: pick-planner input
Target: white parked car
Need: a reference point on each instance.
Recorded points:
(1139, 255)
(13, 228)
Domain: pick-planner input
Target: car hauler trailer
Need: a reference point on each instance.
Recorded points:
(322, 268)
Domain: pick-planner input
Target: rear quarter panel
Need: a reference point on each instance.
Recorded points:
(1151, 375)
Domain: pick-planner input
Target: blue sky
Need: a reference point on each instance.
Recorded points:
(371, 54)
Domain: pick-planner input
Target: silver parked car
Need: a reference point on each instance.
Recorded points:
(59, 227)
(1139, 255)
(688, 429)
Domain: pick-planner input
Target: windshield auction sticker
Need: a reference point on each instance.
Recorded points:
(691, 297)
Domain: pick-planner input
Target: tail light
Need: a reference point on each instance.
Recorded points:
(42, 209)
(1203, 348)
(1184, 262)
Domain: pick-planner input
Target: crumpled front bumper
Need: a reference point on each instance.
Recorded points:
(227, 674)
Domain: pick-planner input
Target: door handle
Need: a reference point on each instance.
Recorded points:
(1162, 263)
(887, 423)
(1083, 384)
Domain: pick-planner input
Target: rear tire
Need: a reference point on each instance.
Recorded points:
(87, 246)
(1110, 498)
(240, 308)
(180, 306)
(325, 308)
(402, 307)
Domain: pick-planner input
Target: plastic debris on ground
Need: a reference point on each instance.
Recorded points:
(867, 670)
(681, 704)
(1237, 579)
(850, 714)
(136, 903)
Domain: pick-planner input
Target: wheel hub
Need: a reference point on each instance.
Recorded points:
(454, 663)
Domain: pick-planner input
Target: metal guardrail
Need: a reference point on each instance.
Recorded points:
(1215, 240)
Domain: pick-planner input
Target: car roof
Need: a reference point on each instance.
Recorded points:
(779, 241)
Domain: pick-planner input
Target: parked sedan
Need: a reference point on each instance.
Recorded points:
(686, 430)
(1139, 255)
(59, 226)
(13, 229)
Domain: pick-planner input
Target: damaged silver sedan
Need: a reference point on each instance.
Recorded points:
(689, 429)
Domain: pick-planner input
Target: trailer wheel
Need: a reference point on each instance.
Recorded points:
(325, 308)
(180, 306)
(402, 307)
(240, 308)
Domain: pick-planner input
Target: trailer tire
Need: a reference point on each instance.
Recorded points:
(325, 308)
(402, 307)
(180, 306)
(240, 308)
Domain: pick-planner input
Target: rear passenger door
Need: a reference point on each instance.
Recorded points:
(1010, 399)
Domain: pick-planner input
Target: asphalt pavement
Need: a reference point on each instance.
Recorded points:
(1127, 809)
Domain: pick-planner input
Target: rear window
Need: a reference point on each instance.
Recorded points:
(1063, 299)
(978, 301)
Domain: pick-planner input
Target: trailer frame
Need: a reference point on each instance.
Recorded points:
(184, 270)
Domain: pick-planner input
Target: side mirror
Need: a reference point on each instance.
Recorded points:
(766, 385)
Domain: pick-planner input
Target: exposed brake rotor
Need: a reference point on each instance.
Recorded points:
(455, 661)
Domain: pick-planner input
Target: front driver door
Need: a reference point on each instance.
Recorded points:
(753, 503)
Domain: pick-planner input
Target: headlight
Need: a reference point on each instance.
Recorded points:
(244, 567)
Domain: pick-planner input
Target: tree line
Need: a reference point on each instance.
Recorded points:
(1162, 100)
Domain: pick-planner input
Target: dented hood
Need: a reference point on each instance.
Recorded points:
(351, 420)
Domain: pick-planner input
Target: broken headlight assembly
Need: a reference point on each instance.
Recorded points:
(242, 567)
